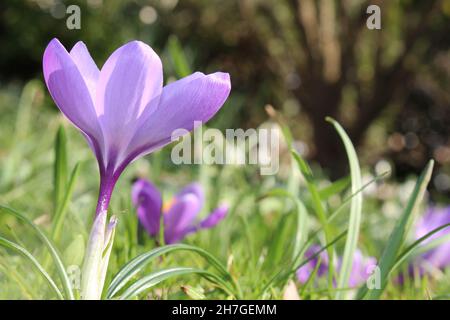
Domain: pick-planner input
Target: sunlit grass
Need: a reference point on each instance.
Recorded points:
(49, 176)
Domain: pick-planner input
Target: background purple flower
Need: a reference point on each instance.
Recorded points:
(438, 257)
(304, 272)
(179, 214)
(123, 110)
(361, 269)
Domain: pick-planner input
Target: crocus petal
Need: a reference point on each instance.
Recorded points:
(196, 189)
(148, 202)
(304, 272)
(214, 217)
(438, 257)
(129, 82)
(361, 269)
(434, 218)
(194, 98)
(70, 92)
(86, 65)
(179, 219)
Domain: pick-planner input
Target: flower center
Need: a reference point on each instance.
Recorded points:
(167, 205)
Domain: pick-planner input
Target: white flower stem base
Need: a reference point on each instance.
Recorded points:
(96, 259)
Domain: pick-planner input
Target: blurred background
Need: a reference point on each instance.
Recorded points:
(308, 59)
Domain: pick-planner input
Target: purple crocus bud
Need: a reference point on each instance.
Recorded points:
(214, 217)
(123, 110)
(439, 256)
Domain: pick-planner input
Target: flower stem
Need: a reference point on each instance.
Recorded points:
(107, 183)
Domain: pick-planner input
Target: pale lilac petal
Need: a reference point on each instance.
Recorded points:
(194, 188)
(361, 269)
(179, 219)
(86, 65)
(70, 92)
(304, 272)
(438, 257)
(148, 202)
(129, 88)
(194, 98)
(214, 217)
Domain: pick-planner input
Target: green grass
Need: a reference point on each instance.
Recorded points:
(48, 188)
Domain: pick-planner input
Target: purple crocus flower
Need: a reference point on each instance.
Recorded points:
(179, 214)
(361, 269)
(123, 110)
(304, 272)
(438, 257)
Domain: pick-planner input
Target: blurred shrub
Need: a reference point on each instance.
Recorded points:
(309, 58)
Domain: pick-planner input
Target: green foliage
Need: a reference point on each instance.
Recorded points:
(355, 210)
(397, 238)
(50, 247)
(253, 253)
(22, 251)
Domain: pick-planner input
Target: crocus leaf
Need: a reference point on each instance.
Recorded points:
(277, 250)
(355, 211)
(153, 279)
(51, 248)
(129, 270)
(284, 274)
(25, 253)
(9, 270)
(397, 237)
(302, 221)
(318, 207)
(407, 251)
(60, 168)
(60, 215)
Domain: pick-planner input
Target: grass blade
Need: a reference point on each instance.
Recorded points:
(282, 275)
(178, 57)
(318, 207)
(389, 257)
(335, 188)
(302, 221)
(129, 270)
(406, 253)
(24, 252)
(355, 211)
(54, 253)
(58, 219)
(153, 279)
(60, 167)
(10, 271)
(307, 174)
